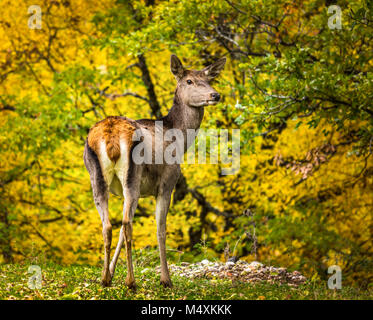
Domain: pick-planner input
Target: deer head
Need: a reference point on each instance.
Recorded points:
(193, 87)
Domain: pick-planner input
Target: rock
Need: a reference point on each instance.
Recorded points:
(233, 259)
(212, 269)
(145, 270)
(205, 262)
(281, 270)
(239, 271)
(256, 264)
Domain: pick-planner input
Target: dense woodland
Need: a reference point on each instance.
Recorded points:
(299, 91)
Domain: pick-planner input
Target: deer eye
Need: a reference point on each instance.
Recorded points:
(189, 81)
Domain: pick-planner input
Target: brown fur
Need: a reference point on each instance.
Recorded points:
(111, 129)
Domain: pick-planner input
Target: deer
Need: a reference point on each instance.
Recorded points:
(108, 157)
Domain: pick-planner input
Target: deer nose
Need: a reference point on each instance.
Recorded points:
(215, 96)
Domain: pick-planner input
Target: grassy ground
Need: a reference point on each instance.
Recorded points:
(83, 282)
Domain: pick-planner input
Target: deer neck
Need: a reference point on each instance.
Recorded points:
(183, 117)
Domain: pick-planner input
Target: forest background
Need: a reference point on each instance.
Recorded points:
(297, 84)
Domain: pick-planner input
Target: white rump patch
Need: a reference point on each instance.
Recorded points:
(121, 167)
(111, 169)
(107, 166)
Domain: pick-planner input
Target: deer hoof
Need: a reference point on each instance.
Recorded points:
(131, 284)
(166, 283)
(106, 279)
(106, 282)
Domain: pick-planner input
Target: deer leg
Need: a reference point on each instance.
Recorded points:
(117, 252)
(163, 203)
(106, 232)
(130, 204)
(129, 209)
(101, 197)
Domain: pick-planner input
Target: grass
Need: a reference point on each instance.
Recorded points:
(83, 282)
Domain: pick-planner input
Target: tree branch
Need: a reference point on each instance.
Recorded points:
(153, 101)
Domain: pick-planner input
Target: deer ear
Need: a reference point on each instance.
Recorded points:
(213, 70)
(177, 67)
